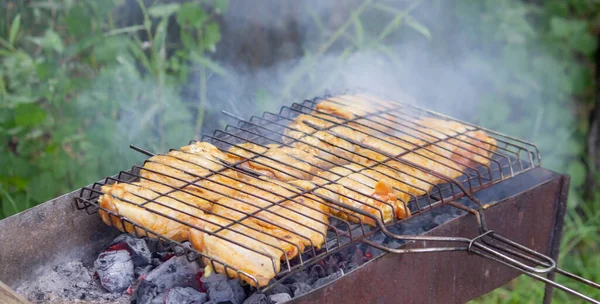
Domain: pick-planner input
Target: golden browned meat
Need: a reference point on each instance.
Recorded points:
(179, 221)
(186, 175)
(248, 248)
(206, 162)
(428, 158)
(184, 196)
(472, 148)
(352, 107)
(204, 149)
(165, 216)
(367, 191)
(323, 144)
(280, 162)
(305, 217)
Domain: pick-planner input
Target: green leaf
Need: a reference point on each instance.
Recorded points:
(209, 64)
(14, 29)
(44, 69)
(192, 15)
(43, 186)
(417, 26)
(111, 48)
(29, 115)
(560, 27)
(51, 40)
(125, 30)
(187, 40)
(9, 204)
(577, 171)
(161, 36)
(78, 21)
(220, 6)
(585, 43)
(212, 35)
(164, 10)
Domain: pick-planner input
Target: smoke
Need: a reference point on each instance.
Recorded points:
(276, 53)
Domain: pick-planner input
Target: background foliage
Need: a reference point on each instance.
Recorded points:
(81, 80)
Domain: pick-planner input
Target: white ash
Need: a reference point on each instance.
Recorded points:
(220, 289)
(137, 248)
(68, 283)
(301, 288)
(181, 295)
(257, 298)
(176, 272)
(115, 269)
(280, 298)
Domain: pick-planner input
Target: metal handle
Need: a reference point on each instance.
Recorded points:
(546, 263)
(483, 248)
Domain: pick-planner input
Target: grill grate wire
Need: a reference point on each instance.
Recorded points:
(509, 158)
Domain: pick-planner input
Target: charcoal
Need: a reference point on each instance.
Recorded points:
(115, 270)
(145, 293)
(213, 279)
(331, 265)
(280, 297)
(238, 291)
(350, 266)
(220, 290)
(374, 252)
(180, 250)
(278, 288)
(299, 277)
(138, 249)
(301, 288)
(156, 262)
(142, 270)
(152, 243)
(378, 237)
(176, 272)
(330, 278)
(257, 298)
(184, 295)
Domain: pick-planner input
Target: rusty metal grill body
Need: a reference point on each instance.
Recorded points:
(510, 158)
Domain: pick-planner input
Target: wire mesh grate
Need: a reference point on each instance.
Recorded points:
(248, 198)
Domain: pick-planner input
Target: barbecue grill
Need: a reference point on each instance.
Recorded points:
(493, 197)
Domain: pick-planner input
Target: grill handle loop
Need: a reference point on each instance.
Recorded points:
(543, 264)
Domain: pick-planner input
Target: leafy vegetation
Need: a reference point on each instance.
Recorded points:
(81, 80)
